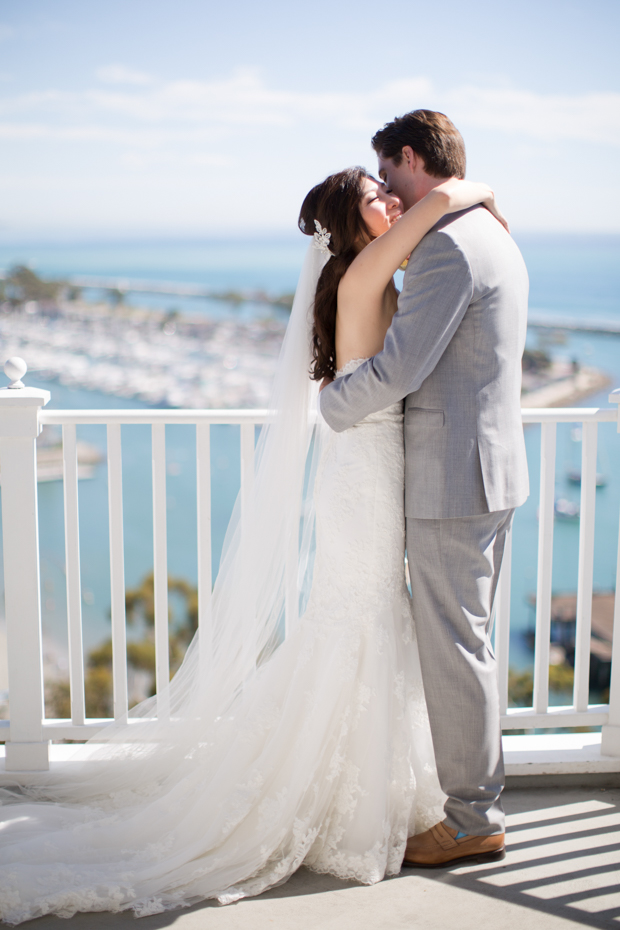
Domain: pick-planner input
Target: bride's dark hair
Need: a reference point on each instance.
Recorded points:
(335, 203)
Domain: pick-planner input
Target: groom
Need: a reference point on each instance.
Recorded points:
(453, 352)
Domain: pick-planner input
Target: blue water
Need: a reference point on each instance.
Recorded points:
(271, 265)
(571, 276)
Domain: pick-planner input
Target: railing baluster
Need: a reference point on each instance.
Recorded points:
(117, 570)
(586, 566)
(247, 484)
(610, 734)
(72, 563)
(502, 623)
(545, 566)
(203, 494)
(160, 568)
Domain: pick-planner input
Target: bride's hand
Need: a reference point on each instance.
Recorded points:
(460, 195)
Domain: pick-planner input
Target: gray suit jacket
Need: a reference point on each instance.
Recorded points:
(454, 351)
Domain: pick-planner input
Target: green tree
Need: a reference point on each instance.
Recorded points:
(115, 296)
(24, 284)
(536, 360)
(521, 684)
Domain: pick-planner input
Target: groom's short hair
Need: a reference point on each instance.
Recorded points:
(431, 135)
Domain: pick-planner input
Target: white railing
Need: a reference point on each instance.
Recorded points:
(27, 733)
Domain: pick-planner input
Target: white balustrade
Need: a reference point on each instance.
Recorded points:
(21, 418)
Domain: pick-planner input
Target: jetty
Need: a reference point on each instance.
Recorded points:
(178, 289)
(538, 321)
(562, 386)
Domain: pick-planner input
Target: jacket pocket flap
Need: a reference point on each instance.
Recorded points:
(424, 416)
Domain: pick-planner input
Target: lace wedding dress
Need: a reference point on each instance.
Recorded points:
(325, 758)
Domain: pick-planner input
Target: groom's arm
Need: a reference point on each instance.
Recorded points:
(437, 290)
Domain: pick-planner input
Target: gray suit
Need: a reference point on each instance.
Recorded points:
(454, 352)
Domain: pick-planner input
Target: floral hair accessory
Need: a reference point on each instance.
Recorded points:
(322, 238)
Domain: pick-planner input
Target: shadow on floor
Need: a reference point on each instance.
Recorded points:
(563, 861)
(563, 856)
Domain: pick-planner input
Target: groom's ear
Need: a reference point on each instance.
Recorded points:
(411, 159)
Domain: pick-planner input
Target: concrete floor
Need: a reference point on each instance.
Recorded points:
(562, 870)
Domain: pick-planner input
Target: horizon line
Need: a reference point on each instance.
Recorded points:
(80, 238)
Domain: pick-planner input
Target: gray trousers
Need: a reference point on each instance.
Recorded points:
(454, 567)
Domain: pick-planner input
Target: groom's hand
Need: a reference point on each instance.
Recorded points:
(325, 382)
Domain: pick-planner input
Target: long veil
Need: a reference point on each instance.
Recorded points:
(260, 590)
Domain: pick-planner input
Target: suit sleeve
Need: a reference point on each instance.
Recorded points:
(437, 290)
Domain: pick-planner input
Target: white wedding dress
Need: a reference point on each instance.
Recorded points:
(324, 759)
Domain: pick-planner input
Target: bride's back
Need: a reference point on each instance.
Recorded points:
(363, 317)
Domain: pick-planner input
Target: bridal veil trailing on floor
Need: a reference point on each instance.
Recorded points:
(266, 751)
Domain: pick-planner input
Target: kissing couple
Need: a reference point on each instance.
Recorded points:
(325, 714)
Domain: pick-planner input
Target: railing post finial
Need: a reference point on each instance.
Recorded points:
(15, 368)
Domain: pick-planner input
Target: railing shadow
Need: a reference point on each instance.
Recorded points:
(563, 861)
(571, 873)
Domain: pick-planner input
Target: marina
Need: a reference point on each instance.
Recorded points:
(163, 359)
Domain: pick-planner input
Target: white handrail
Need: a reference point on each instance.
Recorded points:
(237, 417)
(149, 416)
(568, 415)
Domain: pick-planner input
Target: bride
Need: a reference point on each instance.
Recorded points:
(295, 731)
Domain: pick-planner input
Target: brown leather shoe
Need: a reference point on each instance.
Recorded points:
(439, 846)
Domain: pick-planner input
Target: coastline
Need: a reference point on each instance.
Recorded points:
(567, 390)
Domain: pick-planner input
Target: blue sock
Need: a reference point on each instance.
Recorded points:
(460, 835)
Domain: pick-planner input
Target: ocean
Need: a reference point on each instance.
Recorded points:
(572, 277)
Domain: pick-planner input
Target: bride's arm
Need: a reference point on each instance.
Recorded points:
(380, 259)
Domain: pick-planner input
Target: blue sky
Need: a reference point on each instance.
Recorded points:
(189, 117)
